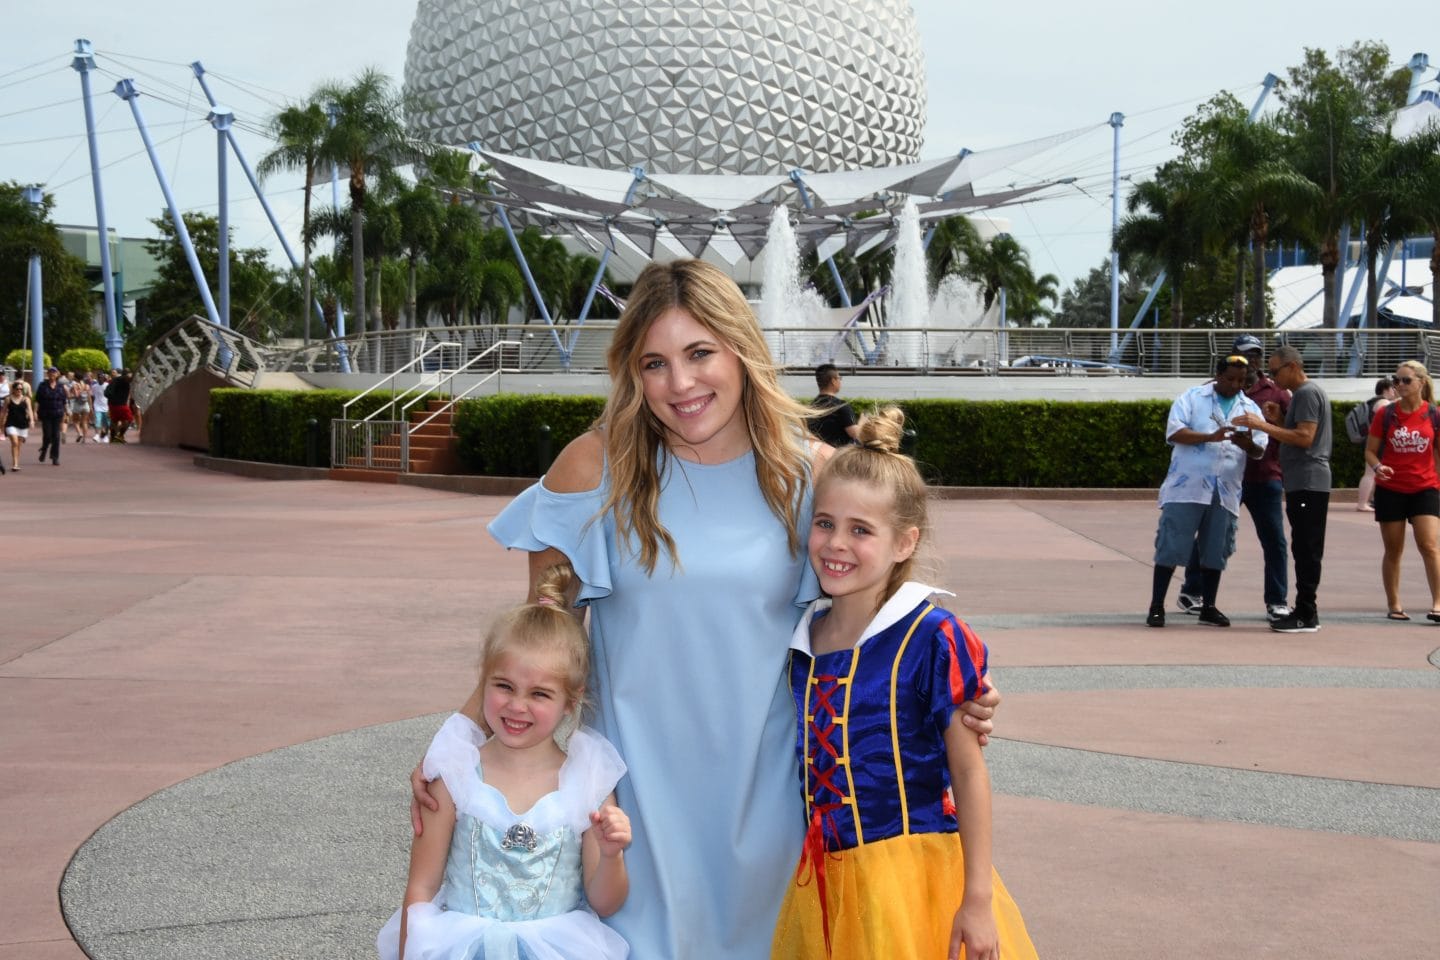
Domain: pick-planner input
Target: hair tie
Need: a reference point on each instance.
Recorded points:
(547, 602)
(879, 446)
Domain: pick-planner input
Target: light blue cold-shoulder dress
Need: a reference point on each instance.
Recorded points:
(688, 682)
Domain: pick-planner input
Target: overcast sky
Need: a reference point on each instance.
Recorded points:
(997, 74)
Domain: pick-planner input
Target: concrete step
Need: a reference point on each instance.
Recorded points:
(364, 476)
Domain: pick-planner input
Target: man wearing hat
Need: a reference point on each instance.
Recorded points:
(50, 401)
(1262, 493)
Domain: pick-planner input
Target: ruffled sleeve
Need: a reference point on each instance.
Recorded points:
(589, 775)
(454, 756)
(957, 661)
(569, 522)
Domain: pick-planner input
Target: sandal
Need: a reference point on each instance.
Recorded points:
(1402, 615)
(1433, 616)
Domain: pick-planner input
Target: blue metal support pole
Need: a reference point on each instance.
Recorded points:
(221, 119)
(126, 91)
(525, 270)
(1156, 286)
(639, 174)
(332, 111)
(83, 63)
(1117, 120)
(1343, 320)
(798, 178)
(1266, 86)
(199, 70)
(1418, 65)
(1357, 357)
(34, 196)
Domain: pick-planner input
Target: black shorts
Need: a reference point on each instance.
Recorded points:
(1392, 507)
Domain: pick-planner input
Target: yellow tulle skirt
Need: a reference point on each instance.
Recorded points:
(890, 900)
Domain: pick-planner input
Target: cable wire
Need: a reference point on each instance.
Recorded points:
(107, 166)
(56, 172)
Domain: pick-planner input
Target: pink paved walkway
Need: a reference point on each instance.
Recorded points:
(162, 620)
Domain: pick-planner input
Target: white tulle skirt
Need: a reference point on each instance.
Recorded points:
(437, 934)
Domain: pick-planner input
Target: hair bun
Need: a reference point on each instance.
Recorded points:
(882, 430)
(554, 584)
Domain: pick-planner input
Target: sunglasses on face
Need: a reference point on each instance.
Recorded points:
(1397, 380)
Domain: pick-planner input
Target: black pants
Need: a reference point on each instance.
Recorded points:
(1307, 510)
(50, 432)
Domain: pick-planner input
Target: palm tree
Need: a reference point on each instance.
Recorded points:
(419, 212)
(1255, 184)
(1028, 303)
(369, 140)
(1376, 196)
(1424, 203)
(1167, 223)
(1329, 111)
(1394, 184)
(299, 131)
(999, 263)
(951, 245)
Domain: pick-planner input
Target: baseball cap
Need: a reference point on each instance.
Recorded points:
(52, 369)
(1245, 343)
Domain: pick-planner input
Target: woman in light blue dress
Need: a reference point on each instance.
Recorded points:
(684, 513)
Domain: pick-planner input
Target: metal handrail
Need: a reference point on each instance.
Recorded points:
(440, 346)
(871, 347)
(450, 404)
(196, 343)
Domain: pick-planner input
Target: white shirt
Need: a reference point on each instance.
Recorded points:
(1197, 470)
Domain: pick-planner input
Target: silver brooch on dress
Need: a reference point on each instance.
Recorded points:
(520, 835)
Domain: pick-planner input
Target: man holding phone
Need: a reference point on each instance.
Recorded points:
(1261, 492)
(1304, 435)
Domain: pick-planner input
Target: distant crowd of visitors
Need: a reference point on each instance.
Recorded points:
(96, 405)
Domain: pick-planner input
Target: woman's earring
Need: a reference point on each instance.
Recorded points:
(567, 726)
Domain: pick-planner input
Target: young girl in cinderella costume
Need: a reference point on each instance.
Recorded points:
(877, 672)
(487, 881)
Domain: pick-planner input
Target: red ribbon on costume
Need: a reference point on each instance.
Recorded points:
(822, 815)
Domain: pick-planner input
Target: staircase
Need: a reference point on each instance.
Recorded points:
(431, 448)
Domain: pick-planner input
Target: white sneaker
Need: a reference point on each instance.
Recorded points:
(1189, 604)
(1276, 611)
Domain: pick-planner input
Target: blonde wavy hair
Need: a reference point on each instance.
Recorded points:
(875, 461)
(1427, 386)
(635, 445)
(543, 628)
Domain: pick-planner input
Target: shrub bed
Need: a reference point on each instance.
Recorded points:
(966, 443)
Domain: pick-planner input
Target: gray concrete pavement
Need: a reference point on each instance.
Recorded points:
(211, 689)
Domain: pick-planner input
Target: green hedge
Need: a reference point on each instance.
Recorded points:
(270, 425)
(976, 443)
(80, 359)
(20, 359)
(501, 435)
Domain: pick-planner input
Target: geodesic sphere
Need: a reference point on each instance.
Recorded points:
(684, 86)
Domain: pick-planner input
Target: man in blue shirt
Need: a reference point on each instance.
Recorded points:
(1200, 498)
(1262, 494)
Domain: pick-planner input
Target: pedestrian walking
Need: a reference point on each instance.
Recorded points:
(50, 404)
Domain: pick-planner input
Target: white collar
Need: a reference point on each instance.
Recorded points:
(906, 599)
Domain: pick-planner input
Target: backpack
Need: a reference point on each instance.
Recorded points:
(1357, 421)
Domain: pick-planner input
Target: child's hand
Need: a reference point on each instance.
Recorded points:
(612, 829)
(974, 926)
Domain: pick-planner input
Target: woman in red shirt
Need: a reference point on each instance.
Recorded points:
(1402, 450)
